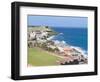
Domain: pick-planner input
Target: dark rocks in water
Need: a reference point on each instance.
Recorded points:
(76, 61)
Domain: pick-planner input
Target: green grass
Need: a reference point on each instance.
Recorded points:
(37, 57)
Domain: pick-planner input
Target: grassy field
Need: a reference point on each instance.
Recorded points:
(38, 57)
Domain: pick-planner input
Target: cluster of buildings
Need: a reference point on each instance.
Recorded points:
(58, 47)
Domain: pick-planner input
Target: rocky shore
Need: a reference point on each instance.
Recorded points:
(41, 37)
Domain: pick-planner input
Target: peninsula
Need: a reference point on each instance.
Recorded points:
(43, 50)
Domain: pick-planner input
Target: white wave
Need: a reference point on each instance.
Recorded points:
(60, 33)
(56, 41)
(63, 43)
(51, 37)
(84, 52)
(60, 43)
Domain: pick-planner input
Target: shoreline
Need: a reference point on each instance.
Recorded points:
(45, 39)
(76, 47)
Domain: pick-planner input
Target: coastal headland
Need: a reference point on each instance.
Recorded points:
(44, 51)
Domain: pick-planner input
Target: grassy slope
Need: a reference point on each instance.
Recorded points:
(40, 58)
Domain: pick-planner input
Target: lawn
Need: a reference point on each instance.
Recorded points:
(39, 57)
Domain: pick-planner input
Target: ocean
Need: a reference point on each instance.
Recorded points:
(73, 36)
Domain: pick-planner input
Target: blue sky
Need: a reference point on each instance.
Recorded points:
(57, 21)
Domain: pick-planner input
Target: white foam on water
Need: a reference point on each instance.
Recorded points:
(51, 37)
(84, 52)
(60, 33)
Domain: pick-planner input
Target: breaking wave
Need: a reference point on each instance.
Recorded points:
(59, 39)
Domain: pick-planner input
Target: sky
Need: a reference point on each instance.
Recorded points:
(57, 21)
